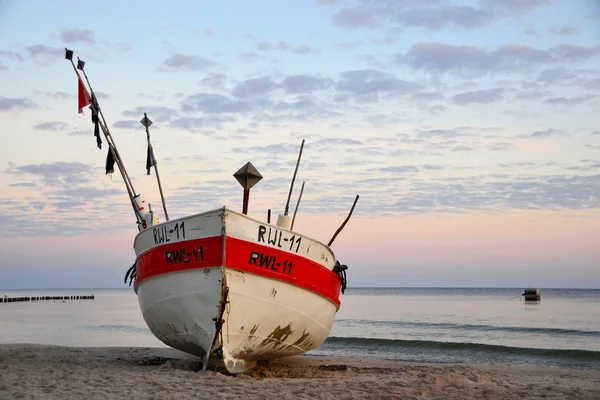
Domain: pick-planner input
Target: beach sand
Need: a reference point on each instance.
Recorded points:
(50, 372)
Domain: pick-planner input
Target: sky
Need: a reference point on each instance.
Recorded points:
(470, 130)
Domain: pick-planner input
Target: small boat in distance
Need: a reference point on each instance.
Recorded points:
(219, 284)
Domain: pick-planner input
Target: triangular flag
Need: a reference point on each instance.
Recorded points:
(84, 97)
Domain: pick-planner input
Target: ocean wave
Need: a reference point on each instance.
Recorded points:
(477, 327)
(117, 328)
(370, 344)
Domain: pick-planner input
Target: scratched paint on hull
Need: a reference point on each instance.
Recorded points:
(292, 323)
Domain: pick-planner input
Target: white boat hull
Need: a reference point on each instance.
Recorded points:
(234, 288)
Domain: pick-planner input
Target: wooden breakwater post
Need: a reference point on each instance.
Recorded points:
(19, 299)
(532, 294)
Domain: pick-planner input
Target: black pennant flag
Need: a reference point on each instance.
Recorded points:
(150, 161)
(110, 161)
(94, 107)
(96, 128)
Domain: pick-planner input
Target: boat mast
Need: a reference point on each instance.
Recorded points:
(151, 160)
(102, 123)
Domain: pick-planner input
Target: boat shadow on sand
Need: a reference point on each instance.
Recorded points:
(291, 367)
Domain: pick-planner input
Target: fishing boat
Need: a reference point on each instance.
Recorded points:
(226, 287)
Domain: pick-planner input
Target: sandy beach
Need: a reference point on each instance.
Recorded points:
(52, 372)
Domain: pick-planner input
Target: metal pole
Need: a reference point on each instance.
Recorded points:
(345, 222)
(287, 205)
(245, 203)
(162, 197)
(297, 204)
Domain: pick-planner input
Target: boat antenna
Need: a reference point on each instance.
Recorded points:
(344, 223)
(297, 204)
(151, 161)
(113, 153)
(287, 205)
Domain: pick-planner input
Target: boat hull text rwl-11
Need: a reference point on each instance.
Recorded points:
(228, 288)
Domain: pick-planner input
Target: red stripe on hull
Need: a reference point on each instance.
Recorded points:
(179, 256)
(283, 266)
(242, 256)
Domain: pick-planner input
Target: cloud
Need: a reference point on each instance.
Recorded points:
(214, 103)
(303, 49)
(256, 87)
(128, 124)
(250, 57)
(431, 14)
(186, 61)
(40, 51)
(195, 124)
(63, 174)
(51, 126)
(155, 113)
(564, 30)
(304, 83)
(501, 146)
(444, 134)
(301, 107)
(57, 95)
(214, 81)
(86, 194)
(400, 169)
(3, 67)
(494, 193)
(16, 104)
(435, 56)
(548, 133)
(65, 200)
(12, 55)
(266, 46)
(71, 36)
(569, 101)
(479, 96)
(335, 142)
(272, 149)
(367, 85)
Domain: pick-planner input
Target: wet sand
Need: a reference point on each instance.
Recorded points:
(51, 372)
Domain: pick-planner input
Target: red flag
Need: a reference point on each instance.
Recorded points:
(84, 97)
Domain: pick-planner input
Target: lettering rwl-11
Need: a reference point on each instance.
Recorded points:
(184, 255)
(267, 261)
(274, 237)
(164, 234)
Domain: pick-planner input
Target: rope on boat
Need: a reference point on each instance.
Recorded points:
(131, 274)
(218, 352)
(340, 270)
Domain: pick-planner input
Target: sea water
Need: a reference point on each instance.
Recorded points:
(411, 324)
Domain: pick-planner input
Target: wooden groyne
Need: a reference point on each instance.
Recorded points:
(7, 299)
